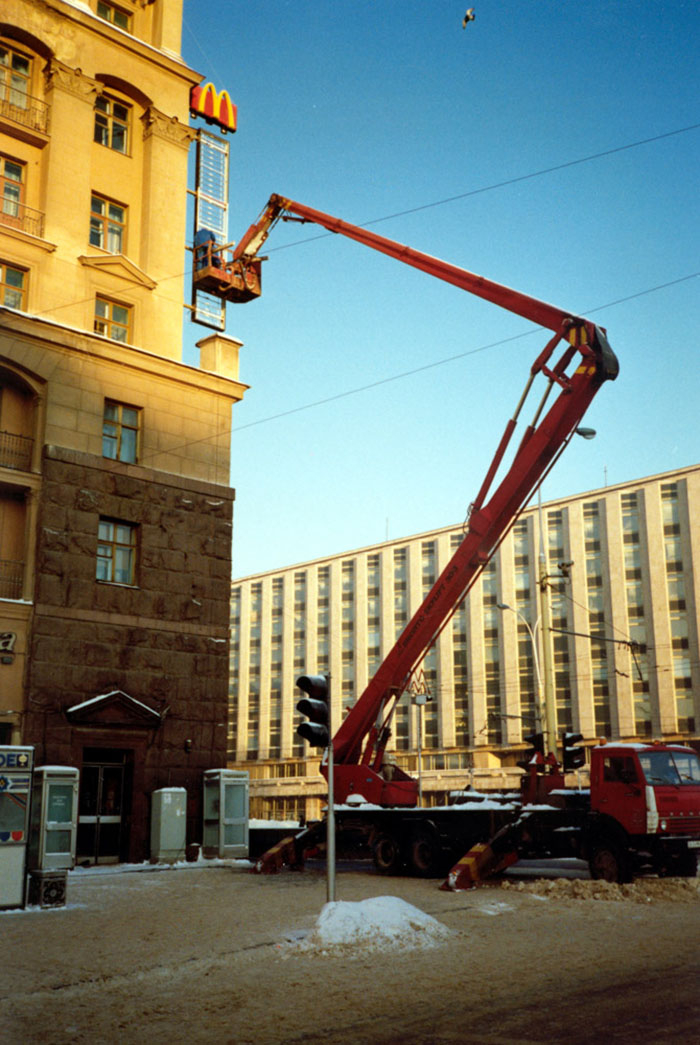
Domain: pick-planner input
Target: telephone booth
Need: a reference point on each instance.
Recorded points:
(225, 813)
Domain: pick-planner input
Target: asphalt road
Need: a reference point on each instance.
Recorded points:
(201, 956)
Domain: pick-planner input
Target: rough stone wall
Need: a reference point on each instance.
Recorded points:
(163, 641)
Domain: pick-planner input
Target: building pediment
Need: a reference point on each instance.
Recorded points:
(118, 265)
(114, 709)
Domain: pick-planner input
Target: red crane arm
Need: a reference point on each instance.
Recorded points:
(279, 206)
(585, 346)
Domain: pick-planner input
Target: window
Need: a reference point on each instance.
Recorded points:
(112, 320)
(12, 286)
(116, 552)
(11, 189)
(120, 432)
(111, 123)
(15, 76)
(107, 225)
(115, 15)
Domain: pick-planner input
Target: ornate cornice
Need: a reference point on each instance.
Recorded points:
(74, 81)
(157, 124)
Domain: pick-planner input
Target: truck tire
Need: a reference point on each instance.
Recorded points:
(386, 854)
(609, 863)
(424, 856)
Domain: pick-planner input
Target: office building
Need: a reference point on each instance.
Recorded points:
(622, 569)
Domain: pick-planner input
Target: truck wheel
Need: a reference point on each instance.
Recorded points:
(424, 856)
(608, 864)
(386, 854)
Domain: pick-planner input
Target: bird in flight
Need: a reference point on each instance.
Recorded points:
(469, 17)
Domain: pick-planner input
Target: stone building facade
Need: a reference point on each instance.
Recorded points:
(115, 505)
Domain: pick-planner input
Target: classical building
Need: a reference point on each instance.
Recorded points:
(115, 505)
(622, 569)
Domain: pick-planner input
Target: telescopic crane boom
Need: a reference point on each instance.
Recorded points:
(583, 362)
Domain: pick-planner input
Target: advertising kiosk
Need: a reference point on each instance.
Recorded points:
(16, 765)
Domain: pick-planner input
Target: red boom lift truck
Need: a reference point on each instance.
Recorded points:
(620, 826)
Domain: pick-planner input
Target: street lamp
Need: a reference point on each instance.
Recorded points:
(532, 632)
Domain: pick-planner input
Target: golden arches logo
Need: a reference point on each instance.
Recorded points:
(213, 106)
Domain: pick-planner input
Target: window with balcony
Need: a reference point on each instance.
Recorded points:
(11, 189)
(116, 15)
(107, 225)
(12, 534)
(121, 426)
(13, 286)
(112, 319)
(116, 552)
(16, 103)
(112, 123)
(15, 77)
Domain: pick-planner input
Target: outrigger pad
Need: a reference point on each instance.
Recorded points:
(479, 863)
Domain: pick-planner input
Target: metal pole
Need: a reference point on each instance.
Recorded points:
(330, 816)
(420, 754)
(550, 707)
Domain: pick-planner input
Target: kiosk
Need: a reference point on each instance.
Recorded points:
(16, 764)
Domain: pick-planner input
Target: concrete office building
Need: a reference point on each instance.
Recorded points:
(115, 505)
(624, 641)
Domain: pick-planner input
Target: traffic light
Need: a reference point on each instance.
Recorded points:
(573, 757)
(536, 742)
(315, 705)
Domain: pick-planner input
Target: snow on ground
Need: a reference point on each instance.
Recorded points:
(379, 923)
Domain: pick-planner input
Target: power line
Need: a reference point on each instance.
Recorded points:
(426, 366)
(502, 184)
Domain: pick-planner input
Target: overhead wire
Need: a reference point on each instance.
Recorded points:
(417, 370)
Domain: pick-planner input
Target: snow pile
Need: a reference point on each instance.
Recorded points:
(380, 923)
(643, 890)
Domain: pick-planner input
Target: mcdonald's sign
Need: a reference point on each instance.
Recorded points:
(213, 106)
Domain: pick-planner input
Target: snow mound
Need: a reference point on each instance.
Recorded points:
(380, 923)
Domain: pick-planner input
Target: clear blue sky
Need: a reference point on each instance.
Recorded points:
(376, 109)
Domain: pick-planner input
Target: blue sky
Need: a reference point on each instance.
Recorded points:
(379, 110)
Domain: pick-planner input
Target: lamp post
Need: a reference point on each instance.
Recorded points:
(532, 632)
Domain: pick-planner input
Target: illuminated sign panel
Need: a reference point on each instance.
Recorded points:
(213, 106)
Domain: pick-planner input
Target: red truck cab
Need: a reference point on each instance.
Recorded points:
(645, 809)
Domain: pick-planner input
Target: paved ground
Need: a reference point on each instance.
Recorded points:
(200, 955)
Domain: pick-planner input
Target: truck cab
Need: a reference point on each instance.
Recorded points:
(645, 809)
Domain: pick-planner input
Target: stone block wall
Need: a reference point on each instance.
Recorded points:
(164, 641)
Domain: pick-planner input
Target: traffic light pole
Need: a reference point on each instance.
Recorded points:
(330, 816)
(330, 833)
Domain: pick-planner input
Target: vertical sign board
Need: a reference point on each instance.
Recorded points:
(16, 764)
(211, 213)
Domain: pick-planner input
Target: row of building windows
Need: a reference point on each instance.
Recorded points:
(108, 218)
(112, 319)
(113, 115)
(361, 632)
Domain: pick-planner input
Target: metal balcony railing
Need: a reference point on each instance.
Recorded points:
(19, 216)
(16, 451)
(24, 109)
(11, 577)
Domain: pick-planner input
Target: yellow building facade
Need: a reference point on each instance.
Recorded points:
(115, 505)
